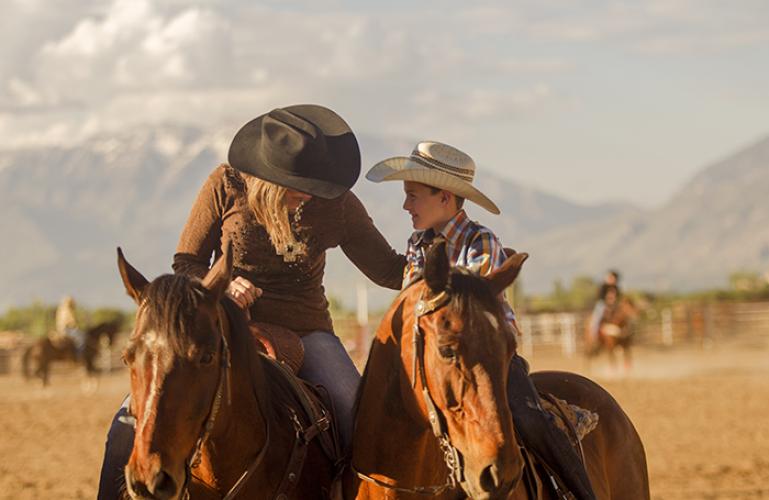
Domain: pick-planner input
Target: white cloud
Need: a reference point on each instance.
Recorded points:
(92, 37)
(209, 61)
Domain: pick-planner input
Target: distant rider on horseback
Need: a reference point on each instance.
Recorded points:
(66, 325)
(608, 294)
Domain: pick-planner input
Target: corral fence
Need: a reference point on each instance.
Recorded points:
(698, 324)
(676, 324)
(13, 345)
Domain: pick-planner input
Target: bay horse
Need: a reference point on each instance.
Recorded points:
(615, 331)
(38, 357)
(432, 418)
(214, 418)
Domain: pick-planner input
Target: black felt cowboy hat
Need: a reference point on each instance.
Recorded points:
(306, 147)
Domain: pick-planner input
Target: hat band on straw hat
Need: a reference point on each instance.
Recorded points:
(463, 173)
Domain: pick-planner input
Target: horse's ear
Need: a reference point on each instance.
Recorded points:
(437, 268)
(133, 280)
(219, 276)
(505, 275)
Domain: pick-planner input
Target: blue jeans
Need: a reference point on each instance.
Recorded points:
(595, 319)
(326, 363)
(120, 442)
(539, 434)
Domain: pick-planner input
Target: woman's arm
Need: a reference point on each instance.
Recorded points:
(365, 246)
(201, 236)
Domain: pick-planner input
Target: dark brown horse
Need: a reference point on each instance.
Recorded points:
(433, 419)
(615, 332)
(214, 417)
(37, 358)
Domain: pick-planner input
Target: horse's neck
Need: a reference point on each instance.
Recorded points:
(620, 314)
(240, 430)
(397, 441)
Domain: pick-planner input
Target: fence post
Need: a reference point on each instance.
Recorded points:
(568, 335)
(527, 345)
(667, 327)
(105, 355)
(709, 335)
(361, 339)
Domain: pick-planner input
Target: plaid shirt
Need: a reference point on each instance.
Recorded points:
(468, 245)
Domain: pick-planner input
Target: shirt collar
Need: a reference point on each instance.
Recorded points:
(455, 226)
(451, 230)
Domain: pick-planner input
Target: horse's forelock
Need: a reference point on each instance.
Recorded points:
(169, 307)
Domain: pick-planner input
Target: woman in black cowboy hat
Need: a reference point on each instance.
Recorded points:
(283, 200)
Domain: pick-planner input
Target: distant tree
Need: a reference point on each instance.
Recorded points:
(36, 319)
(747, 281)
(109, 314)
(39, 319)
(582, 293)
(335, 306)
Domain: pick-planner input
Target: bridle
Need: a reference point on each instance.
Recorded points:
(451, 456)
(223, 385)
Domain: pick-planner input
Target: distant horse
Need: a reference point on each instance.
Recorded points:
(37, 358)
(214, 417)
(432, 418)
(616, 331)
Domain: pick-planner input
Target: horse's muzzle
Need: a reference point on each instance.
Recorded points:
(156, 486)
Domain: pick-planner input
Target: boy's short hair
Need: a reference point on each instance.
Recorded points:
(460, 200)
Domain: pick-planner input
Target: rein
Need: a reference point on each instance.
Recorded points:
(224, 384)
(451, 455)
(302, 435)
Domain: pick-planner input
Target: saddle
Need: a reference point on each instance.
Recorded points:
(312, 411)
(576, 423)
(309, 407)
(279, 343)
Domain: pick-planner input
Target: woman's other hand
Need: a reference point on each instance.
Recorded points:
(243, 292)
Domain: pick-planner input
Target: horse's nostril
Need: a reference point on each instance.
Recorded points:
(164, 486)
(140, 489)
(490, 478)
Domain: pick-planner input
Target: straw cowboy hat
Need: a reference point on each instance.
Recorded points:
(306, 147)
(437, 165)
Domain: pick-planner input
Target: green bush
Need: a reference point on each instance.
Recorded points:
(37, 319)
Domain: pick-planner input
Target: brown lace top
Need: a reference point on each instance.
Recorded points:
(293, 294)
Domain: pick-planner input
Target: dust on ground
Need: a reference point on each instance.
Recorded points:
(702, 415)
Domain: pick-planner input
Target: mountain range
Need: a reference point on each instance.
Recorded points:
(63, 210)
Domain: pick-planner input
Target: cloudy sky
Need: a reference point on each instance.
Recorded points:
(590, 99)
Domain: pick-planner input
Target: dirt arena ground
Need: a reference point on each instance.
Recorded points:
(703, 416)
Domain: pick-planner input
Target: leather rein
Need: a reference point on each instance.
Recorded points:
(303, 435)
(451, 456)
(224, 385)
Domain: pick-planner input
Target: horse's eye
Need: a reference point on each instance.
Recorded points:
(207, 358)
(127, 357)
(447, 352)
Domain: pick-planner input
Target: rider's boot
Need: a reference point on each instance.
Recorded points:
(540, 434)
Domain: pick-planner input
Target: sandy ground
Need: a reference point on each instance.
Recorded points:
(703, 416)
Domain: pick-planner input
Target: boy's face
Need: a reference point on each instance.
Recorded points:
(427, 209)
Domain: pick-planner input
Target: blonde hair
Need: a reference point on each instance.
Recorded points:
(268, 202)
